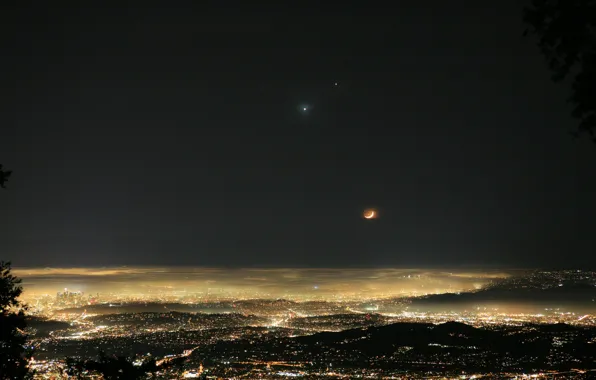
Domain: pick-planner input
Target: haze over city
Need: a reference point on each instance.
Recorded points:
(288, 283)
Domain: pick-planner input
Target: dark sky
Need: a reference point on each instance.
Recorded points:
(174, 135)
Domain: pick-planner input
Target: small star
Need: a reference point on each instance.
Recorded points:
(303, 108)
(336, 84)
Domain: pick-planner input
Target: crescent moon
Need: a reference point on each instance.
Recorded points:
(369, 215)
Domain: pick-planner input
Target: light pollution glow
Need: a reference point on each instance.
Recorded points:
(288, 283)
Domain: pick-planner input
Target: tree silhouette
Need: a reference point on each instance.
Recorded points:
(4, 174)
(14, 356)
(566, 31)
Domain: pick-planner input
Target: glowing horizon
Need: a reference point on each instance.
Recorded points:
(290, 283)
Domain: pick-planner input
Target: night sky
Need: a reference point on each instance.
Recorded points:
(175, 135)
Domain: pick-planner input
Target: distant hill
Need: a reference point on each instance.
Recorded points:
(450, 346)
(42, 327)
(407, 334)
(580, 296)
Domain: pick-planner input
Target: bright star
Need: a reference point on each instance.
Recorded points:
(304, 108)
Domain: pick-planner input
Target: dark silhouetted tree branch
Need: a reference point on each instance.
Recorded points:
(566, 31)
(4, 174)
(14, 356)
